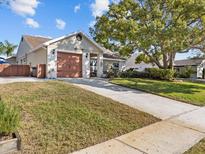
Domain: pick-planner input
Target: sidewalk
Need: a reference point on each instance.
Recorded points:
(182, 125)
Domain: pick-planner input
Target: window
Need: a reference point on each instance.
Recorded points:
(116, 65)
(79, 37)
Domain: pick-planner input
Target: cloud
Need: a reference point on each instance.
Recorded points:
(24, 7)
(60, 24)
(32, 23)
(99, 7)
(77, 8)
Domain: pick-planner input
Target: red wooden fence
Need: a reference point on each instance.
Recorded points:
(14, 70)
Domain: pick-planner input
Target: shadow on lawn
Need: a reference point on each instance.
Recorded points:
(156, 86)
(166, 87)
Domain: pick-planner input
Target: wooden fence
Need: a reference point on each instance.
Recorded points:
(41, 71)
(14, 70)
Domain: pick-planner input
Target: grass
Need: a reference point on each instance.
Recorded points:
(198, 148)
(189, 92)
(57, 117)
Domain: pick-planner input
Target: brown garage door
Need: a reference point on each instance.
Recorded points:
(69, 65)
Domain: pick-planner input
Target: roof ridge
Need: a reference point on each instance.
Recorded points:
(191, 59)
(46, 37)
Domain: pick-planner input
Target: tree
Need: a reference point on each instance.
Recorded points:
(1, 48)
(7, 48)
(156, 28)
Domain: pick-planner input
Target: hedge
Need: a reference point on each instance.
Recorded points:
(152, 73)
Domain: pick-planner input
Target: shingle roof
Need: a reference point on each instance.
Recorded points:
(112, 56)
(35, 41)
(188, 62)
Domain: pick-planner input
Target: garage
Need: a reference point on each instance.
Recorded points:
(69, 65)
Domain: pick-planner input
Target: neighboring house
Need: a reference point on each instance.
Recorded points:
(74, 55)
(11, 59)
(130, 63)
(3, 60)
(197, 65)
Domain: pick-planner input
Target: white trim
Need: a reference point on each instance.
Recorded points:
(69, 51)
(110, 59)
(114, 59)
(73, 34)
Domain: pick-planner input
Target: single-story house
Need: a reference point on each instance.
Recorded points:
(11, 59)
(197, 65)
(131, 63)
(73, 56)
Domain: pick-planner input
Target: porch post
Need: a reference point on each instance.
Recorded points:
(100, 65)
(86, 64)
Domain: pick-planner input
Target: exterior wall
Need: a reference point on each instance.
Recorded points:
(107, 64)
(23, 49)
(200, 69)
(37, 57)
(51, 70)
(71, 45)
(100, 65)
(130, 63)
(86, 65)
(11, 60)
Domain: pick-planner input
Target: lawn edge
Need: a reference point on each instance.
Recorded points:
(147, 91)
(110, 98)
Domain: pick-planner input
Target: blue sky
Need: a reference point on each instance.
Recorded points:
(51, 18)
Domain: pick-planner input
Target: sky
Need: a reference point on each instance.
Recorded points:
(51, 18)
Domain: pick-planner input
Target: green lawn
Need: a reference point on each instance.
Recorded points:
(57, 117)
(198, 148)
(193, 93)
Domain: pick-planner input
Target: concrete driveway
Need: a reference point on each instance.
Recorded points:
(182, 125)
(5, 80)
(160, 107)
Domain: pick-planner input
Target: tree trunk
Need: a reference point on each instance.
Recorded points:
(165, 63)
(171, 60)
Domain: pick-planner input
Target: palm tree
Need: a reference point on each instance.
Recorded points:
(8, 48)
(1, 48)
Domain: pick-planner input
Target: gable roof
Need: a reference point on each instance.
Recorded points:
(35, 41)
(189, 62)
(73, 34)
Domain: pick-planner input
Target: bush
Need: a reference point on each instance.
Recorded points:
(9, 119)
(112, 73)
(133, 74)
(152, 73)
(185, 72)
(160, 74)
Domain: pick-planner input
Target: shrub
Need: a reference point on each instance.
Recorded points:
(160, 74)
(9, 119)
(185, 72)
(112, 73)
(133, 74)
(152, 73)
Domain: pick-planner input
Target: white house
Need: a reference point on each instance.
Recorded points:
(130, 63)
(197, 65)
(73, 56)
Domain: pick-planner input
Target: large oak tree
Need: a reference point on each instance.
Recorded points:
(156, 28)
